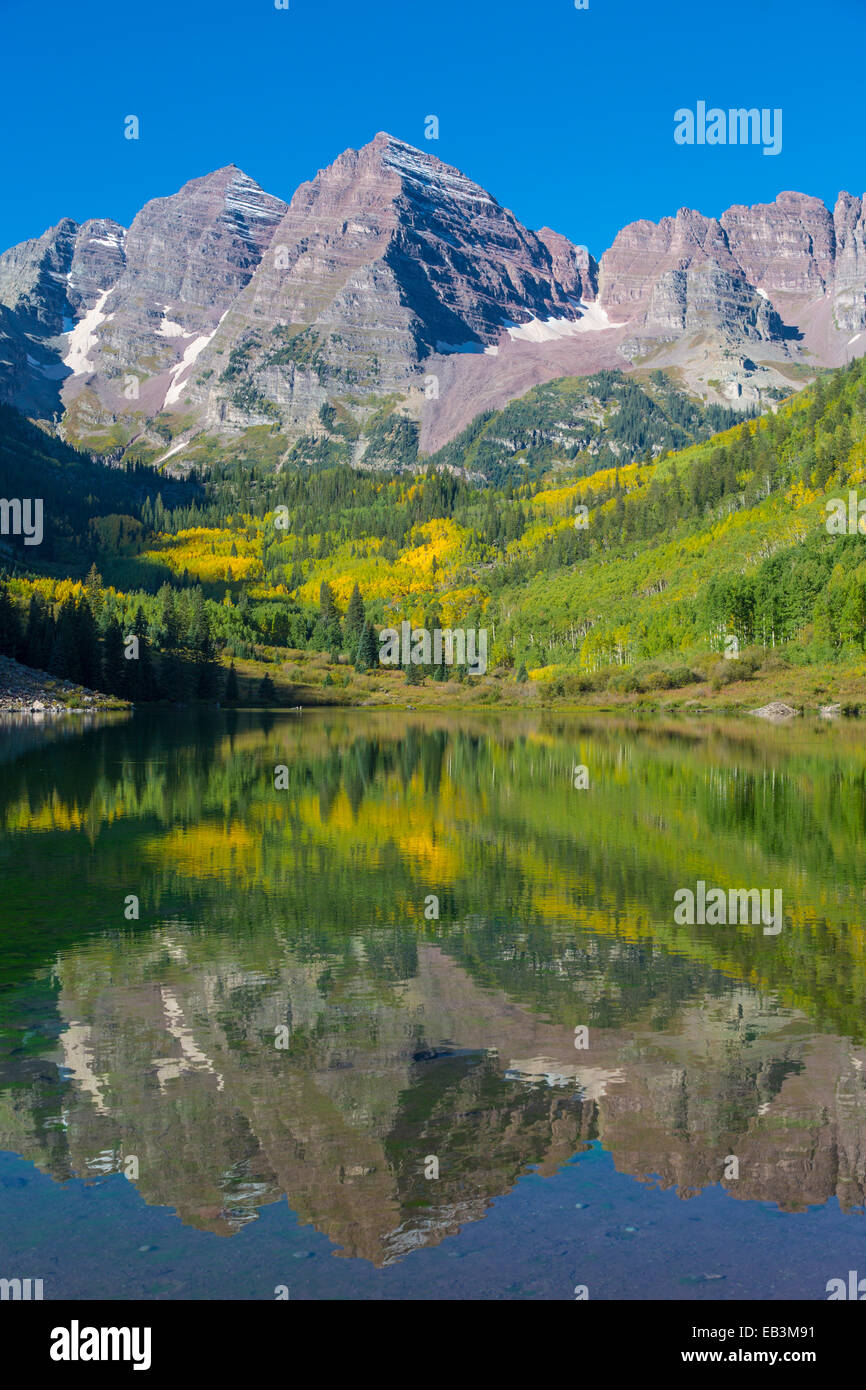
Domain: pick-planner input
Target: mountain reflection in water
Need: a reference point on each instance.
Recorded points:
(284, 1021)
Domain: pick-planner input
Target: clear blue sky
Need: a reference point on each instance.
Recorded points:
(565, 115)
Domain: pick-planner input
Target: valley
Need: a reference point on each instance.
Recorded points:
(432, 674)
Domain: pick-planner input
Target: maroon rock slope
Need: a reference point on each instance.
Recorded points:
(392, 272)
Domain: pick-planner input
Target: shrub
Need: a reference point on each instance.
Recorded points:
(741, 668)
(668, 678)
(568, 684)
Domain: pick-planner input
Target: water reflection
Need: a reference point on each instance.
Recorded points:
(287, 1017)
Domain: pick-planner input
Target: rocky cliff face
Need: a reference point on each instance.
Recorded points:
(33, 311)
(681, 277)
(386, 259)
(33, 278)
(187, 257)
(183, 262)
(849, 285)
(224, 307)
(645, 252)
(787, 246)
(780, 281)
(98, 261)
(95, 308)
(574, 267)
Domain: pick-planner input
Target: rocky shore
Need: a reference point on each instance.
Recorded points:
(26, 691)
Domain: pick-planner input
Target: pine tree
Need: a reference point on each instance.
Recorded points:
(174, 678)
(355, 620)
(64, 654)
(267, 693)
(280, 628)
(94, 591)
(169, 629)
(198, 633)
(367, 657)
(114, 674)
(89, 655)
(232, 694)
(39, 636)
(202, 643)
(140, 678)
(327, 606)
(10, 627)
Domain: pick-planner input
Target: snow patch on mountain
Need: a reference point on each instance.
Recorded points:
(182, 368)
(243, 195)
(82, 338)
(175, 449)
(593, 320)
(169, 329)
(190, 354)
(417, 168)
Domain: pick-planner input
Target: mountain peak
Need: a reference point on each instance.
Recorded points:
(390, 265)
(384, 139)
(223, 177)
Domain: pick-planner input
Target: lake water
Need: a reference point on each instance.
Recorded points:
(405, 1011)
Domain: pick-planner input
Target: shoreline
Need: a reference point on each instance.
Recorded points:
(799, 692)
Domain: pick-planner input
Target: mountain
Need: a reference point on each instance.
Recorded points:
(392, 281)
(739, 309)
(783, 280)
(107, 319)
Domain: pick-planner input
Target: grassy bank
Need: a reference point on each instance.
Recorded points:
(738, 685)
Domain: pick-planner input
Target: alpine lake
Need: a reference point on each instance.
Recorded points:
(363, 1005)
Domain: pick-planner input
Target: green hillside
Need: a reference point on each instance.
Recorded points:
(585, 423)
(591, 573)
(728, 538)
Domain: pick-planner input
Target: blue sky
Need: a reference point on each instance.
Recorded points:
(565, 115)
